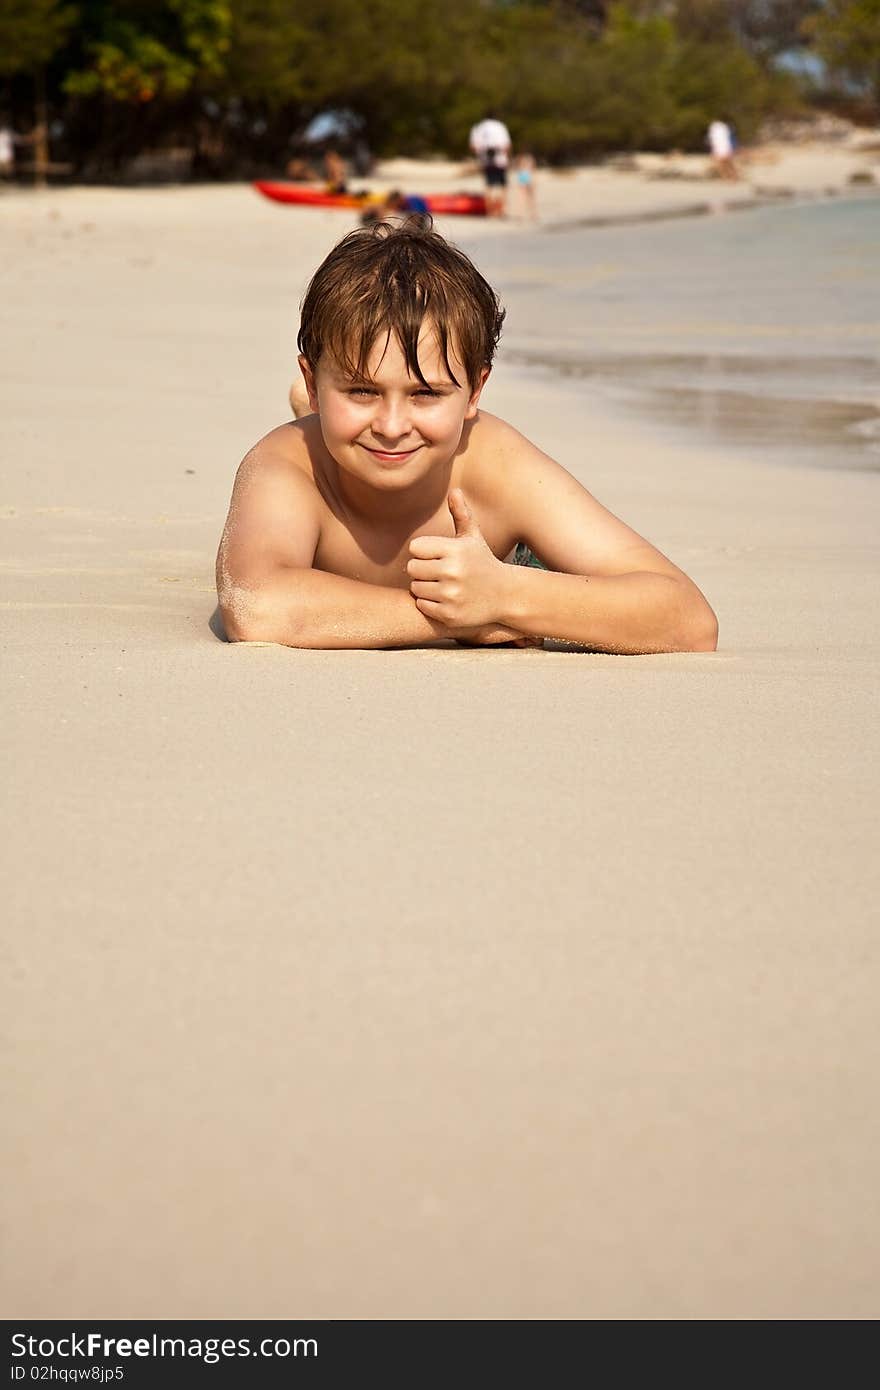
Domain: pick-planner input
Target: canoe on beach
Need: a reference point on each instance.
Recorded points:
(463, 204)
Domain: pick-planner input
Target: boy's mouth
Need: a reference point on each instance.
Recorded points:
(390, 455)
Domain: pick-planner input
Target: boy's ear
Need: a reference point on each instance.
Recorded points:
(309, 379)
(475, 394)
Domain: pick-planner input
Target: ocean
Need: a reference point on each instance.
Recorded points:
(757, 329)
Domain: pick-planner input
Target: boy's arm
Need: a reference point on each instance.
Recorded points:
(270, 592)
(607, 587)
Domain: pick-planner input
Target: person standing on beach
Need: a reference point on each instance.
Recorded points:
(490, 142)
(7, 151)
(396, 512)
(720, 140)
(524, 168)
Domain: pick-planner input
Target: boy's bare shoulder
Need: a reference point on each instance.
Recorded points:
(286, 454)
(489, 433)
(492, 448)
(275, 514)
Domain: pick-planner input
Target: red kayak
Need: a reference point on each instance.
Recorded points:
(463, 204)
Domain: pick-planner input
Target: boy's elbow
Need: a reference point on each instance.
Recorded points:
(706, 638)
(249, 615)
(699, 630)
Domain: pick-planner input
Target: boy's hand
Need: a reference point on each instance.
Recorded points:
(456, 580)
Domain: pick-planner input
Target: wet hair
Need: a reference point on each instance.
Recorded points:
(383, 279)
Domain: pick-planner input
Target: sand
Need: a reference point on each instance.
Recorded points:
(432, 983)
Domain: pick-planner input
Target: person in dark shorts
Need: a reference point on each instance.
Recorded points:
(490, 142)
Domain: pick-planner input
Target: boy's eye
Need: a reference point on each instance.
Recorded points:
(424, 392)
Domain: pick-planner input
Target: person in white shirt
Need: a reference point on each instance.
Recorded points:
(490, 142)
(720, 138)
(7, 151)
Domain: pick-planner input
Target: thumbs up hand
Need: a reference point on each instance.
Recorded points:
(456, 580)
(464, 523)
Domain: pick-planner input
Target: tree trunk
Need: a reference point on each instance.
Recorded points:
(41, 131)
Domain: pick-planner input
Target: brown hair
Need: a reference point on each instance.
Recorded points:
(385, 279)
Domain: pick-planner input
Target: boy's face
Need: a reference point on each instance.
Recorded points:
(389, 430)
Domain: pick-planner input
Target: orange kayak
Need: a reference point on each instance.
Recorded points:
(460, 204)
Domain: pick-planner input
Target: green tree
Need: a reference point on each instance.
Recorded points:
(633, 105)
(140, 50)
(267, 50)
(235, 80)
(31, 34)
(766, 28)
(846, 35)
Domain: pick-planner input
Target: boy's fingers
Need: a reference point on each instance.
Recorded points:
(425, 588)
(429, 547)
(422, 569)
(430, 610)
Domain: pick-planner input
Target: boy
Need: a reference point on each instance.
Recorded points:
(383, 518)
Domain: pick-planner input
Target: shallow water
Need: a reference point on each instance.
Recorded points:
(759, 329)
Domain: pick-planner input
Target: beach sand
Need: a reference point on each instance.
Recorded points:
(435, 983)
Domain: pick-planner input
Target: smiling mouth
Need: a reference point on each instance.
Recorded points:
(390, 455)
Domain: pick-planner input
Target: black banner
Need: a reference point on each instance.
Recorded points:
(93, 1353)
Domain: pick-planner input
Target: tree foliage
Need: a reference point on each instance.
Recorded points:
(572, 78)
(846, 34)
(138, 51)
(32, 33)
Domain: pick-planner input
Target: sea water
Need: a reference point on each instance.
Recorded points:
(757, 328)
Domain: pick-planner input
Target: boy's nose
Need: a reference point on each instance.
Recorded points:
(392, 419)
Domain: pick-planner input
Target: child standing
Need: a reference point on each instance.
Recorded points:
(524, 168)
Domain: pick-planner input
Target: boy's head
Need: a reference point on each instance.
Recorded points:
(386, 281)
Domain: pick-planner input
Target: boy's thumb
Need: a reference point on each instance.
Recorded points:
(462, 519)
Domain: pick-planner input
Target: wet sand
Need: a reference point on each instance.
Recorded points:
(716, 407)
(439, 983)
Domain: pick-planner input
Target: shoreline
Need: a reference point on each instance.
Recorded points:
(652, 187)
(843, 436)
(634, 188)
(701, 327)
(710, 208)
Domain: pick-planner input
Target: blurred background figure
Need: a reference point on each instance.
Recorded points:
(334, 171)
(490, 142)
(524, 169)
(299, 170)
(721, 146)
(398, 207)
(329, 148)
(7, 150)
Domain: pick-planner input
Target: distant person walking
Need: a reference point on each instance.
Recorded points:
(721, 145)
(490, 142)
(524, 167)
(7, 151)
